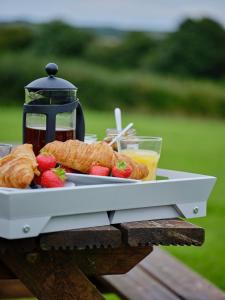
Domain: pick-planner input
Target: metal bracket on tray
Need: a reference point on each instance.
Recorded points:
(194, 207)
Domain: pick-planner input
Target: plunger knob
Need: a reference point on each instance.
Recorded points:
(51, 69)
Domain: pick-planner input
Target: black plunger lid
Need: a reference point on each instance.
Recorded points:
(51, 82)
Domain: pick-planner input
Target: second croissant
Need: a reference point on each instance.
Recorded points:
(81, 156)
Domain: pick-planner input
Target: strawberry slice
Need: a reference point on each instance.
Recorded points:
(99, 171)
(45, 161)
(122, 169)
(53, 178)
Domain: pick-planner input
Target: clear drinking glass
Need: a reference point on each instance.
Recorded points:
(143, 149)
(5, 149)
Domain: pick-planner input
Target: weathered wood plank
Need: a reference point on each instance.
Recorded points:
(51, 276)
(160, 276)
(93, 237)
(178, 278)
(6, 273)
(91, 261)
(137, 285)
(22, 245)
(165, 232)
(36, 268)
(13, 288)
(97, 261)
(161, 232)
(108, 261)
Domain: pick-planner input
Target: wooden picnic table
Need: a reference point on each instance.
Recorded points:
(64, 265)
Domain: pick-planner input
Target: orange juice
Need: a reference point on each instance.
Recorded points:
(147, 157)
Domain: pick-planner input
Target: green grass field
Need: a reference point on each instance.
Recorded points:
(194, 145)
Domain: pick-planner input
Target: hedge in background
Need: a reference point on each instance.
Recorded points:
(102, 89)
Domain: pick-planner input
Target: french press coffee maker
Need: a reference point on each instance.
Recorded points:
(51, 111)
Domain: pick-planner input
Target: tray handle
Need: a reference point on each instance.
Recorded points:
(172, 174)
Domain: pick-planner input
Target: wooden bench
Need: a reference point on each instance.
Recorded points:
(65, 265)
(160, 276)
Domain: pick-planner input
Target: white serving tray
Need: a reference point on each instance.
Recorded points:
(97, 201)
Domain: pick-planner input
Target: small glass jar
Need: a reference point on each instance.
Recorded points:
(112, 132)
(5, 149)
(90, 138)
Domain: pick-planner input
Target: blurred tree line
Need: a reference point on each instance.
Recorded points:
(196, 49)
(126, 69)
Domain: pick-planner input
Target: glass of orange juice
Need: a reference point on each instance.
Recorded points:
(143, 149)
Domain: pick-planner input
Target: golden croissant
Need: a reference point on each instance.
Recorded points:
(81, 156)
(18, 168)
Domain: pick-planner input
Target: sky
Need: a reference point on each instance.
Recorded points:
(159, 15)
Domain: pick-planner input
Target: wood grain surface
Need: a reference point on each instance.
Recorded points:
(161, 232)
(93, 237)
(177, 277)
(13, 289)
(160, 276)
(50, 275)
(136, 285)
(58, 265)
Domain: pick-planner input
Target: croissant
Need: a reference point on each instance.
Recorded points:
(81, 156)
(18, 168)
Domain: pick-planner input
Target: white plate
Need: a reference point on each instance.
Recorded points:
(74, 179)
(84, 179)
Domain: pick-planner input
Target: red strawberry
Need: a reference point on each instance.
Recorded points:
(37, 180)
(121, 169)
(53, 178)
(45, 161)
(99, 171)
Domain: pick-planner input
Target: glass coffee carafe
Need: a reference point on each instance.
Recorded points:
(51, 111)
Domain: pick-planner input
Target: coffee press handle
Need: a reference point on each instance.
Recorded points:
(50, 126)
(80, 124)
